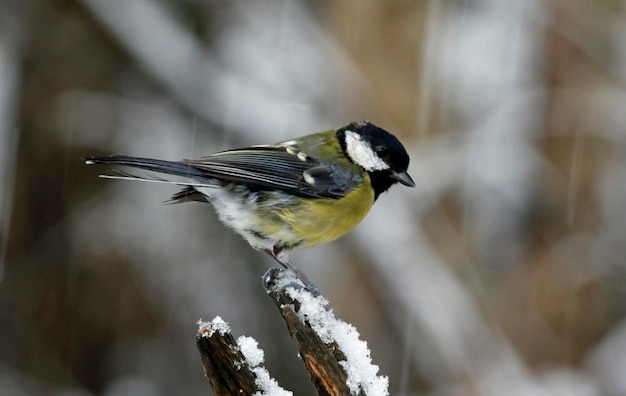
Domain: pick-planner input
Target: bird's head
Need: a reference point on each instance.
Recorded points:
(378, 152)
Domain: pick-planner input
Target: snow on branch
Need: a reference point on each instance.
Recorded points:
(233, 367)
(338, 362)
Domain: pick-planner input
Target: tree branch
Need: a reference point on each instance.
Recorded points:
(338, 362)
(224, 364)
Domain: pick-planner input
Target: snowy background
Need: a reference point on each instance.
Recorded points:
(502, 273)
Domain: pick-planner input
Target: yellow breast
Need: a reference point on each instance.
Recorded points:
(317, 221)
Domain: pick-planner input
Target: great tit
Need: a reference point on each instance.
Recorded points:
(291, 195)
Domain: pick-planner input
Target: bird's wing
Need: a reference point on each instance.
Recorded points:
(270, 167)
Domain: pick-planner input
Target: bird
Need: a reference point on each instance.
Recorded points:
(287, 196)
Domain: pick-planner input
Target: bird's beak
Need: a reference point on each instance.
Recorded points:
(404, 178)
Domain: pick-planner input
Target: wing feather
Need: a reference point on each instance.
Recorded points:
(269, 167)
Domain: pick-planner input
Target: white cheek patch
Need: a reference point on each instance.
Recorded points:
(361, 153)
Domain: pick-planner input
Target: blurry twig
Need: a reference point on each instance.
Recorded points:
(589, 27)
(172, 55)
(436, 305)
(11, 36)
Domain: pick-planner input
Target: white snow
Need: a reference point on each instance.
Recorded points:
(249, 347)
(254, 356)
(217, 324)
(362, 374)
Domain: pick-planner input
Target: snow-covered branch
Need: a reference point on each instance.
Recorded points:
(338, 362)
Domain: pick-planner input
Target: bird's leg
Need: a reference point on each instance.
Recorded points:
(282, 258)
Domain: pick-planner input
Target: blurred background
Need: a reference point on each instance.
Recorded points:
(502, 273)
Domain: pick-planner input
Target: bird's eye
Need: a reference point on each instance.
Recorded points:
(383, 151)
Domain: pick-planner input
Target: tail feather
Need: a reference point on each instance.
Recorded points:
(154, 165)
(187, 194)
(118, 175)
